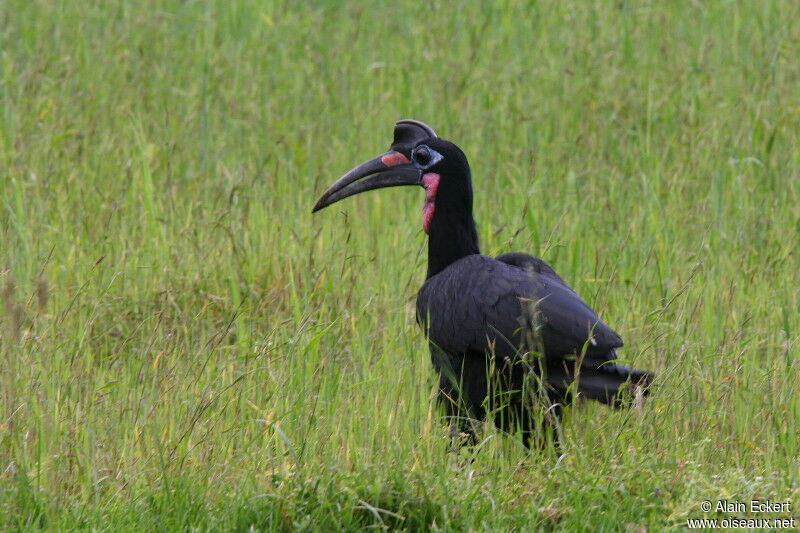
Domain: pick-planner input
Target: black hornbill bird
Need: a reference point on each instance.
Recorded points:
(505, 333)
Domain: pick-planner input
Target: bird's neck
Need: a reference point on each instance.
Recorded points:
(452, 236)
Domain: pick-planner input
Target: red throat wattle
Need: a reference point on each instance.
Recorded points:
(431, 183)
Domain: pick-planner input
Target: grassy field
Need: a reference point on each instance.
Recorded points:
(183, 346)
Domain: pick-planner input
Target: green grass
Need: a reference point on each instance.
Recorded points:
(183, 346)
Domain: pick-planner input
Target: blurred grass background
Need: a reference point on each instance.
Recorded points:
(183, 346)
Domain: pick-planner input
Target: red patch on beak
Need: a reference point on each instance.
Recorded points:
(431, 183)
(394, 158)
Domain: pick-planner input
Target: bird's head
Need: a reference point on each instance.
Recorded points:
(417, 157)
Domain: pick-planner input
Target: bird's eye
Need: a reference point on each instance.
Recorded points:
(422, 156)
(425, 157)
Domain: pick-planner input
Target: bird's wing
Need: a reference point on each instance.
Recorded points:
(567, 319)
(482, 304)
(532, 264)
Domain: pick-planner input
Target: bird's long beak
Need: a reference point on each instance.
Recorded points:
(391, 169)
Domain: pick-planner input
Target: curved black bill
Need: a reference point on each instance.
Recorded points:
(391, 169)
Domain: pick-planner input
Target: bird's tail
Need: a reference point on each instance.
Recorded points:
(608, 383)
(615, 384)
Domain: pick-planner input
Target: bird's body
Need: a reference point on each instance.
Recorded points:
(509, 319)
(484, 303)
(506, 334)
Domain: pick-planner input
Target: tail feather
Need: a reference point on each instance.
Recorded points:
(611, 384)
(614, 386)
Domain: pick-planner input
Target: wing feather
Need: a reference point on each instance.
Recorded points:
(480, 304)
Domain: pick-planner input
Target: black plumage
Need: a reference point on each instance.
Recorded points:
(512, 341)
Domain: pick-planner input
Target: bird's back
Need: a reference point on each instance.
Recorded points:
(504, 305)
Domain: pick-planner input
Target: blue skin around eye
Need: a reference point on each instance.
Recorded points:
(435, 157)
